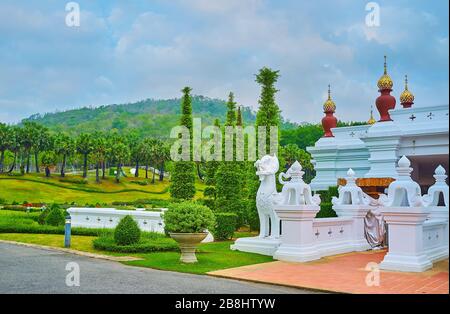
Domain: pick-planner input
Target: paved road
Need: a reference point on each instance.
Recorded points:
(30, 270)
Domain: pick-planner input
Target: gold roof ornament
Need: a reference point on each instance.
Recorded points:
(385, 81)
(406, 96)
(372, 119)
(329, 105)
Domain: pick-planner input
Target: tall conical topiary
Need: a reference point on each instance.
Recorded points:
(268, 115)
(183, 175)
(229, 178)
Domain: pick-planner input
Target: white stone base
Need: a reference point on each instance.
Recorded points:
(406, 263)
(293, 253)
(264, 246)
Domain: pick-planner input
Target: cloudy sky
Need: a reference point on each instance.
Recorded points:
(131, 50)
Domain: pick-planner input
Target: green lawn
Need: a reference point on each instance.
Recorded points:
(80, 243)
(36, 188)
(211, 256)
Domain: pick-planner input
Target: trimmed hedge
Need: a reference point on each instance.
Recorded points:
(188, 217)
(55, 217)
(326, 208)
(225, 226)
(326, 211)
(127, 232)
(162, 244)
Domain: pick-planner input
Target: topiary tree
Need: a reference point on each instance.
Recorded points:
(268, 115)
(225, 226)
(127, 231)
(183, 176)
(188, 217)
(55, 216)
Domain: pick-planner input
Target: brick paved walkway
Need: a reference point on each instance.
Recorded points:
(344, 273)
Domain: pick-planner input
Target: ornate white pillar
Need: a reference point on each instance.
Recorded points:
(405, 213)
(297, 240)
(353, 203)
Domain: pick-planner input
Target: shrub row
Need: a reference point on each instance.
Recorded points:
(107, 243)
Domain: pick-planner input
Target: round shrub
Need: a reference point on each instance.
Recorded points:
(188, 217)
(127, 231)
(55, 216)
(225, 226)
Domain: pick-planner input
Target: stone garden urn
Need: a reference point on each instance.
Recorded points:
(188, 244)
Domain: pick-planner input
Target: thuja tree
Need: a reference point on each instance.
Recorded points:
(183, 175)
(229, 178)
(268, 115)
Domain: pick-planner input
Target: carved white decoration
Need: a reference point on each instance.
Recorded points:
(403, 192)
(432, 197)
(351, 194)
(267, 196)
(296, 191)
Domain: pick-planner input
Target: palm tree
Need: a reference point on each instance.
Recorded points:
(162, 155)
(28, 138)
(133, 141)
(84, 147)
(42, 141)
(48, 160)
(14, 145)
(146, 149)
(120, 153)
(99, 153)
(65, 146)
(5, 139)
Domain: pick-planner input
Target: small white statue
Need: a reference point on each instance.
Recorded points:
(351, 194)
(267, 196)
(296, 191)
(403, 192)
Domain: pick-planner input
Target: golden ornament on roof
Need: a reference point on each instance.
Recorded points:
(329, 105)
(385, 81)
(372, 119)
(406, 96)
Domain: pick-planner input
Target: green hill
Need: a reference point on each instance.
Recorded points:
(149, 117)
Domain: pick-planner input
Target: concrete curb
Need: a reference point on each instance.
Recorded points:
(76, 252)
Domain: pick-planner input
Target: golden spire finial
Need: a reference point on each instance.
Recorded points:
(329, 105)
(385, 81)
(406, 97)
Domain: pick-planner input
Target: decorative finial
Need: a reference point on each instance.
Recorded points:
(385, 64)
(440, 170)
(350, 173)
(404, 162)
(406, 97)
(329, 92)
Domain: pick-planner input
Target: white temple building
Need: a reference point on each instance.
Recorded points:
(372, 150)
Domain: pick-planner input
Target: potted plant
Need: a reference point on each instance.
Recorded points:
(187, 223)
